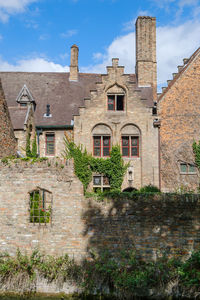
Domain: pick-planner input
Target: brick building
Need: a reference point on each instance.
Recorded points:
(101, 110)
(98, 110)
(179, 111)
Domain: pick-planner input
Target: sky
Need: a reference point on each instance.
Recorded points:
(36, 35)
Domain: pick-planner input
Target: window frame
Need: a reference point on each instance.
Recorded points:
(102, 147)
(39, 213)
(130, 137)
(115, 101)
(187, 172)
(102, 186)
(53, 142)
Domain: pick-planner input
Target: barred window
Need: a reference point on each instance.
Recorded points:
(50, 143)
(40, 206)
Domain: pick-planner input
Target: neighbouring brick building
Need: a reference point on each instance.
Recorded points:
(179, 113)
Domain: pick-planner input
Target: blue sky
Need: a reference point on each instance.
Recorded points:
(36, 35)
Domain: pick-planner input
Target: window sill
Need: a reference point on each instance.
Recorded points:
(187, 173)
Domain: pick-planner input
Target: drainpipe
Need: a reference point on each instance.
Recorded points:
(159, 163)
(38, 132)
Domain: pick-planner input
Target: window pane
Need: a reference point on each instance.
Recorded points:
(106, 151)
(50, 137)
(50, 148)
(192, 169)
(184, 168)
(105, 180)
(97, 180)
(134, 141)
(120, 102)
(97, 141)
(106, 141)
(134, 151)
(97, 152)
(111, 102)
(124, 151)
(125, 140)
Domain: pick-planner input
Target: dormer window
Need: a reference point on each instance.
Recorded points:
(24, 98)
(116, 102)
(23, 104)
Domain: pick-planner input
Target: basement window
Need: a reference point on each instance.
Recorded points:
(116, 102)
(40, 206)
(100, 183)
(187, 168)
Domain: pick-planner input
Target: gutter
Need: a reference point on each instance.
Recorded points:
(54, 126)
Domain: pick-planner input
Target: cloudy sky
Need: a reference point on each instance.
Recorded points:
(36, 35)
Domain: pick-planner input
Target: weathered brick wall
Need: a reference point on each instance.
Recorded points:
(7, 139)
(151, 226)
(179, 110)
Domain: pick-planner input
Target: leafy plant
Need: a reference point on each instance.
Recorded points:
(84, 164)
(37, 213)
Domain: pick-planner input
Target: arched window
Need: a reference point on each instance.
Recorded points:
(130, 139)
(40, 201)
(101, 140)
(116, 99)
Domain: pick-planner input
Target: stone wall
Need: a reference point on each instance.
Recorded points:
(179, 111)
(152, 226)
(8, 143)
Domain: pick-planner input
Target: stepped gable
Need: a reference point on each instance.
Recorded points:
(55, 89)
(7, 138)
(176, 76)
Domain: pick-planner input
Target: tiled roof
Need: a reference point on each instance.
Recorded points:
(18, 116)
(55, 89)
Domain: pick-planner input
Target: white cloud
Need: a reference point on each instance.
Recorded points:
(8, 7)
(69, 33)
(173, 44)
(44, 37)
(33, 65)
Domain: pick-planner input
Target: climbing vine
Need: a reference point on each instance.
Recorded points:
(29, 152)
(84, 165)
(196, 150)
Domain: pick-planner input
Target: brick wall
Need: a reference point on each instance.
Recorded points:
(7, 138)
(179, 110)
(151, 226)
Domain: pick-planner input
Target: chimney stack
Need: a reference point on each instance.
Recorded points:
(74, 64)
(146, 65)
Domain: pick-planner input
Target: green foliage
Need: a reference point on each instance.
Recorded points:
(120, 273)
(34, 147)
(196, 150)
(31, 153)
(84, 164)
(28, 145)
(149, 189)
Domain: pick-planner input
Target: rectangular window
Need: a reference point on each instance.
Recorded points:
(111, 102)
(187, 168)
(116, 102)
(50, 144)
(100, 183)
(101, 145)
(40, 206)
(130, 146)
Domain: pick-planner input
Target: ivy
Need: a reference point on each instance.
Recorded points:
(196, 150)
(84, 165)
(29, 152)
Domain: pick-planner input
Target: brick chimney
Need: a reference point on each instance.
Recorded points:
(74, 63)
(146, 65)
